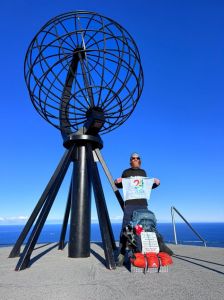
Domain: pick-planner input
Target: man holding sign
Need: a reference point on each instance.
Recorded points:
(136, 190)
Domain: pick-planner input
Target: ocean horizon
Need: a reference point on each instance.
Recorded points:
(212, 233)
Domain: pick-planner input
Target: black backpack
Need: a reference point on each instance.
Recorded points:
(144, 217)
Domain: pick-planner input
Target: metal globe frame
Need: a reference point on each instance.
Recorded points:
(82, 60)
(84, 76)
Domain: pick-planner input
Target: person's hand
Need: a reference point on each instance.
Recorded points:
(157, 181)
(118, 180)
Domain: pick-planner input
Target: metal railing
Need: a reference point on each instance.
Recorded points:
(173, 209)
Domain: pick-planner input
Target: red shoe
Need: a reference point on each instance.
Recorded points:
(139, 260)
(152, 260)
(165, 259)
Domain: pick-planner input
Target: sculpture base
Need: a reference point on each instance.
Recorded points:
(81, 150)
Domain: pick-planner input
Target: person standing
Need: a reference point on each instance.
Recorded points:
(135, 204)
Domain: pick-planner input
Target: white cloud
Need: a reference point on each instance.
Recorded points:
(23, 217)
(113, 219)
(16, 218)
(19, 220)
(117, 218)
(13, 220)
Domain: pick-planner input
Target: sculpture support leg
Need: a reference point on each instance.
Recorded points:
(16, 249)
(104, 206)
(25, 256)
(105, 226)
(65, 221)
(110, 178)
(79, 240)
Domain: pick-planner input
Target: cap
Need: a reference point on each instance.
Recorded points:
(134, 154)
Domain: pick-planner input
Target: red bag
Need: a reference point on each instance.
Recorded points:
(152, 260)
(165, 259)
(139, 260)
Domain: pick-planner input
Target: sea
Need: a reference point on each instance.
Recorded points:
(212, 233)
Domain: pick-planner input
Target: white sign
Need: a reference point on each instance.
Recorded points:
(149, 242)
(137, 187)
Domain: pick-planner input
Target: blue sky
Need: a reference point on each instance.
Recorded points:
(177, 126)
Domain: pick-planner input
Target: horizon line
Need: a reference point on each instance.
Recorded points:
(60, 222)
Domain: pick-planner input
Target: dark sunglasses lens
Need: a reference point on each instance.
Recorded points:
(133, 158)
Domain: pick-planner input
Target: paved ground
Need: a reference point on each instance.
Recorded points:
(197, 273)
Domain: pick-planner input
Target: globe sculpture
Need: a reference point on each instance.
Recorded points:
(84, 76)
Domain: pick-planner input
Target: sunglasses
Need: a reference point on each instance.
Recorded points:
(133, 158)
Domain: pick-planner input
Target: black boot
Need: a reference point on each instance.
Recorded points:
(121, 252)
(120, 260)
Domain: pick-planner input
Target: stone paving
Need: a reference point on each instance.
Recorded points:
(197, 273)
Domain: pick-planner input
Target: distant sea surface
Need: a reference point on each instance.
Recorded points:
(213, 233)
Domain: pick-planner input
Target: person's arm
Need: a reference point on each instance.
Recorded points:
(156, 183)
(118, 182)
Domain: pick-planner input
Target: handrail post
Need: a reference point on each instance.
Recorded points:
(174, 226)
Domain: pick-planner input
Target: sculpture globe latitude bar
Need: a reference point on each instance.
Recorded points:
(84, 76)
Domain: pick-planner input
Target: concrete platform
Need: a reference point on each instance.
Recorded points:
(197, 273)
